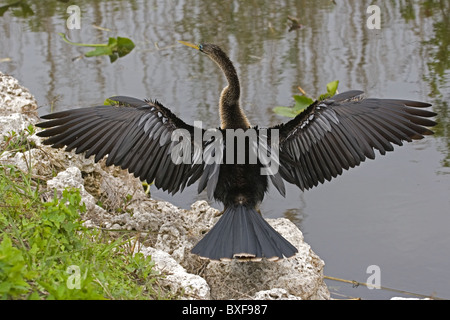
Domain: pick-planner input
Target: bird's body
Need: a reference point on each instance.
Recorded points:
(314, 147)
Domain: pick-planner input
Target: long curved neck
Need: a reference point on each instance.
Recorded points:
(231, 114)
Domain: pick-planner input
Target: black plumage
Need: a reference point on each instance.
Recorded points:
(341, 132)
(329, 137)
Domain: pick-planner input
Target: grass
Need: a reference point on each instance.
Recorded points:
(47, 253)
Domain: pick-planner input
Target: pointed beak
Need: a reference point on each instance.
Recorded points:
(189, 44)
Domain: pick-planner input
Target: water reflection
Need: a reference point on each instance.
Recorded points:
(438, 46)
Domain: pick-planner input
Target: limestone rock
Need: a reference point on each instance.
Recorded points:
(71, 178)
(274, 294)
(177, 279)
(16, 99)
(14, 122)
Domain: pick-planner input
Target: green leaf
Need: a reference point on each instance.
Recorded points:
(301, 103)
(99, 51)
(112, 42)
(113, 57)
(332, 87)
(12, 268)
(109, 102)
(285, 111)
(124, 46)
(323, 96)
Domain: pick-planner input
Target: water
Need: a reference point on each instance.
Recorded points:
(392, 212)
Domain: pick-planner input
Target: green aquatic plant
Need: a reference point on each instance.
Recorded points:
(115, 48)
(303, 101)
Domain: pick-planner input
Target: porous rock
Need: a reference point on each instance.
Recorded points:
(71, 178)
(176, 279)
(15, 122)
(17, 106)
(15, 98)
(274, 294)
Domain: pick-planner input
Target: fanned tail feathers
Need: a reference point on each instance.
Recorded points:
(242, 233)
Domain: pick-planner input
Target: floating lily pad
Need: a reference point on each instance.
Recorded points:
(115, 48)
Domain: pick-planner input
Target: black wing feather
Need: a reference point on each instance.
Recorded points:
(135, 134)
(341, 132)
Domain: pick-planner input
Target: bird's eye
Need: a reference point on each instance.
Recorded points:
(200, 47)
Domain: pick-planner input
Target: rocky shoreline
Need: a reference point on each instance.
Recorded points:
(164, 232)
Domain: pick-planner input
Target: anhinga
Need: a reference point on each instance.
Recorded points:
(329, 136)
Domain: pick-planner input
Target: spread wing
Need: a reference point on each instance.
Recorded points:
(341, 132)
(134, 134)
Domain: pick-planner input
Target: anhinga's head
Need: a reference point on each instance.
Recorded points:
(215, 53)
(211, 50)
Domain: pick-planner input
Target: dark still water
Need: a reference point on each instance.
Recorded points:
(392, 213)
